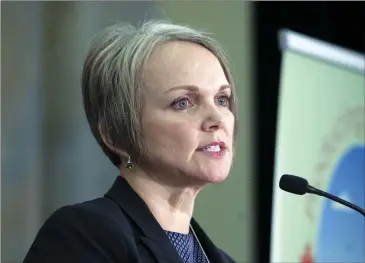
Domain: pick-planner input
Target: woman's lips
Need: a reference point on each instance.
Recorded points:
(216, 150)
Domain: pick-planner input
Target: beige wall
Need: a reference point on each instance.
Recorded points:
(226, 210)
(49, 157)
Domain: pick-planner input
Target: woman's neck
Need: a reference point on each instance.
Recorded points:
(171, 206)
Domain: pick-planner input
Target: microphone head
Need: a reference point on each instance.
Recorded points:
(293, 184)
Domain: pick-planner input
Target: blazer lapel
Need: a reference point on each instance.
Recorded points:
(153, 236)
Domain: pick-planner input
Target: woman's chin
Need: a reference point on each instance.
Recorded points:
(213, 177)
(219, 179)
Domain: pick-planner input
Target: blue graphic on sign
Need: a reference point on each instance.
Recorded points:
(341, 236)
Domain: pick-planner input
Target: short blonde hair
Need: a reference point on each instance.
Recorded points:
(112, 80)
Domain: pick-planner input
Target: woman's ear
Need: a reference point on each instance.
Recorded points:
(109, 143)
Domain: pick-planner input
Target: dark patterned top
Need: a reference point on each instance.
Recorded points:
(187, 247)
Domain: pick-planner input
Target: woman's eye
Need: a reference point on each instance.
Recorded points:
(181, 104)
(223, 101)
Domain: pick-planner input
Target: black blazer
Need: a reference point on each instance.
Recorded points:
(116, 228)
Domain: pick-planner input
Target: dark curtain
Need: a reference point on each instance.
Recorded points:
(341, 23)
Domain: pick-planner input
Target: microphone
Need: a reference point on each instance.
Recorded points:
(300, 186)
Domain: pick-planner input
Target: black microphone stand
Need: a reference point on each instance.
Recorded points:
(313, 190)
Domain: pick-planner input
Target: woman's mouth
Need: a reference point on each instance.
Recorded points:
(216, 150)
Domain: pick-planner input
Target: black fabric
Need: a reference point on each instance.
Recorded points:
(116, 228)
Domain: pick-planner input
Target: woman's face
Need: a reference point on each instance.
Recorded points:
(187, 123)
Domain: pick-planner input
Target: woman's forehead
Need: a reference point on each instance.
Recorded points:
(182, 63)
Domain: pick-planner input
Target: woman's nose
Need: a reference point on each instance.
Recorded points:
(213, 121)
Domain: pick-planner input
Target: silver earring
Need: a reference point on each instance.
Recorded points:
(129, 163)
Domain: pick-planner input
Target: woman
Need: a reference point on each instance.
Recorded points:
(160, 101)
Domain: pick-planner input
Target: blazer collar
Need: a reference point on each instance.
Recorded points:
(154, 236)
(123, 194)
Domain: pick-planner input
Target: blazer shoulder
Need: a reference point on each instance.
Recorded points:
(91, 215)
(83, 232)
(102, 208)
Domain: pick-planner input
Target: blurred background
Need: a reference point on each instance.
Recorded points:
(48, 155)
